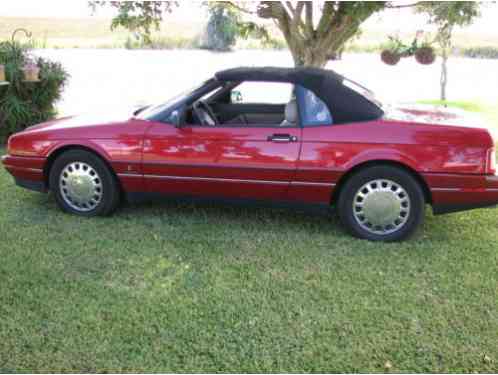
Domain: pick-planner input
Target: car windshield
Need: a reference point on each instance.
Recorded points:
(362, 90)
(154, 110)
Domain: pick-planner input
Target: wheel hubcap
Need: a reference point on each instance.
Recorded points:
(80, 186)
(381, 206)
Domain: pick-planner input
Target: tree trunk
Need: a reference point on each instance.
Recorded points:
(306, 56)
(311, 44)
(317, 52)
(444, 74)
(444, 39)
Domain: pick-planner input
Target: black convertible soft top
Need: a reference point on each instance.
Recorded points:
(345, 104)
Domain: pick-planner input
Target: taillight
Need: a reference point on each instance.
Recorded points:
(491, 161)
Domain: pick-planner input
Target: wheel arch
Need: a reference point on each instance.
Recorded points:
(381, 162)
(54, 154)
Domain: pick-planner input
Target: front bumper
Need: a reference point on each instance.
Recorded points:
(28, 172)
(453, 192)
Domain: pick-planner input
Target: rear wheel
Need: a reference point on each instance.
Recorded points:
(381, 203)
(83, 184)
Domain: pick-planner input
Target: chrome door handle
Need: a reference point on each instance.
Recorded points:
(282, 138)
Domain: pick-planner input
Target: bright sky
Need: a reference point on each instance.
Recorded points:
(193, 11)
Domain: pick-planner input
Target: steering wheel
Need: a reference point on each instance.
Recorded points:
(204, 113)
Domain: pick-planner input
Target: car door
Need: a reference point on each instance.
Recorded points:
(255, 158)
(316, 174)
(256, 162)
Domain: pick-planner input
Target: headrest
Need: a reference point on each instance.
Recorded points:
(291, 113)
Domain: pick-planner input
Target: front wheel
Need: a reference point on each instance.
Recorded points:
(83, 184)
(381, 203)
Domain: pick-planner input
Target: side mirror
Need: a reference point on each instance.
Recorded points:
(140, 110)
(236, 97)
(175, 118)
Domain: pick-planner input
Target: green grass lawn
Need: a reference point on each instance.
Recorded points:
(177, 287)
(183, 287)
(208, 288)
(488, 111)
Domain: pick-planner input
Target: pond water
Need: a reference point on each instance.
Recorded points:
(105, 80)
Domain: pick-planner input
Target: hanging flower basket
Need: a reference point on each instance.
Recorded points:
(420, 49)
(425, 55)
(2, 73)
(31, 72)
(390, 57)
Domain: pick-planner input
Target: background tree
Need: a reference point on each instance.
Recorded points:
(313, 30)
(138, 16)
(447, 15)
(222, 28)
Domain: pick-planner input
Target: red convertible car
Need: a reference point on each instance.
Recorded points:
(280, 134)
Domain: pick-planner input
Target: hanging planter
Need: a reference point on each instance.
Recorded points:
(23, 104)
(425, 55)
(31, 72)
(396, 49)
(390, 57)
(2, 73)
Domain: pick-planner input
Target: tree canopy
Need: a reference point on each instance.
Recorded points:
(313, 30)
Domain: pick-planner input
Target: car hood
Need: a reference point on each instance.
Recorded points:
(89, 127)
(86, 121)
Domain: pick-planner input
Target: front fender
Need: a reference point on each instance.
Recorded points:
(86, 143)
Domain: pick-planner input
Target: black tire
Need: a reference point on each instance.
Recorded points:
(404, 180)
(110, 195)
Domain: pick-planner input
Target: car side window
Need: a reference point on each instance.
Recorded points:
(313, 110)
(250, 92)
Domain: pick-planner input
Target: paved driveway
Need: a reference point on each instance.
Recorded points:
(122, 79)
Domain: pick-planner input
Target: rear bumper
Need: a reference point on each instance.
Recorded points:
(453, 193)
(28, 172)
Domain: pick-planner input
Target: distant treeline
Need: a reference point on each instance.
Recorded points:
(188, 42)
(485, 52)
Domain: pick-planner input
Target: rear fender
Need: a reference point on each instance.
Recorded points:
(381, 155)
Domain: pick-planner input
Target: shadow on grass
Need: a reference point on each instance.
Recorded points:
(225, 216)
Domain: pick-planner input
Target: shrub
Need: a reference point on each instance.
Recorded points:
(481, 52)
(222, 28)
(23, 104)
